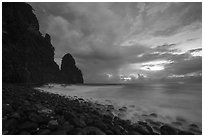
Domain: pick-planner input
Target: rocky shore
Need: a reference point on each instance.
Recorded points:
(27, 111)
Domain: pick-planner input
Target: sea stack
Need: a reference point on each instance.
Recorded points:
(69, 72)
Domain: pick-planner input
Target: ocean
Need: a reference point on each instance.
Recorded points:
(177, 104)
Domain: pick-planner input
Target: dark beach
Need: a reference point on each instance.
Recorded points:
(27, 111)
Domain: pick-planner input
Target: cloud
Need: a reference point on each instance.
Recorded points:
(107, 38)
(191, 12)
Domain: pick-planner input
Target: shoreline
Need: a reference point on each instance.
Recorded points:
(30, 111)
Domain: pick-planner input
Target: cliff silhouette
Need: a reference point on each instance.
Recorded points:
(27, 55)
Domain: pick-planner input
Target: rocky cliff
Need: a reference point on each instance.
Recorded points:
(27, 56)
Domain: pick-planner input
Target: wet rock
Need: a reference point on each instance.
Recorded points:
(155, 133)
(109, 132)
(195, 130)
(168, 130)
(110, 107)
(91, 131)
(7, 108)
(88, 119)
(156, 129)
(42, 109)
(75, 131)
(53, 124)
(44, 119)
(59, 110)
(146, 126)
(16, 115)
(28, 125)
(193, 126)
(43, 132)
(180, 132)
(80, 99)
(43, 126)
(100, 124)
(108, 119)
(60, 119)
(141, 129)
(10, 124)
(123, 109)
(116, 130)
(35, 118)
(67, 126)
(79, 122)
(153, 115)
(5, 132)
(134, 133)
(153, 123)
(69, 115)
(24, 133)
(59, 132)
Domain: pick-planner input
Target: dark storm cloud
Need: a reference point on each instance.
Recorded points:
(96, 34)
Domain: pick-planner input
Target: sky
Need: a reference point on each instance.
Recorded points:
(127, 42)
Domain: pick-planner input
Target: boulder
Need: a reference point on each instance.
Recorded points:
(59, 132)
(7, 108)
(35, 118)
(91, 131)
(10, 124)
(24, 133)
(28, 125)
(53, 124)
(43, 132)
(180, 132)
(168, 130)
(16, 115)
(100, 124)
(67, 126)
(142, 128)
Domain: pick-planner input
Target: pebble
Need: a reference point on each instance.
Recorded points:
(28, 125)
(67, 126)
(153, 115)
(7, 108)
(168, 130)
(10, 124)
(53, 124)
(59, 132)
(185, 133)
(109, 132)
(193, 126)
(141, 129)
(43, 132)
(24, 133)
(16, 115)
(100, 124)
(90, 130)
